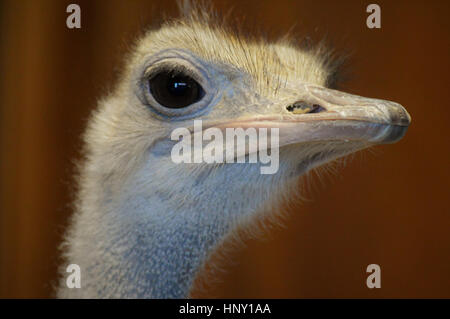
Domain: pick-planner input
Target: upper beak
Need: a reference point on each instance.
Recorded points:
(322, 114)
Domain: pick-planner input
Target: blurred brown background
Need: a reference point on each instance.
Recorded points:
(390, 208)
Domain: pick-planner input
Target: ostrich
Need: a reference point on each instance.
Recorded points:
(144, 226)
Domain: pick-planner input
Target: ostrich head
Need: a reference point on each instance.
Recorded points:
(144, 225)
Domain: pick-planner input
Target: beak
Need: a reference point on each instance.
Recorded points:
(315, 115)
(322, 114)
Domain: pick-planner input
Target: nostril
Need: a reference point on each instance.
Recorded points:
(302, 107)
(317, 108)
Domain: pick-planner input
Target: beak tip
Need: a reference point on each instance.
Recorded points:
(394, 134)
(399, 115)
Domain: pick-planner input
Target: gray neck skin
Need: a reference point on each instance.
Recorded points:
(161, 256)
(144, 254)
(135, 245)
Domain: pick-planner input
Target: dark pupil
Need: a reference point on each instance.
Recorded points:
(175, 90)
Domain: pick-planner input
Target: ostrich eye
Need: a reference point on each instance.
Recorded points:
(175, 90)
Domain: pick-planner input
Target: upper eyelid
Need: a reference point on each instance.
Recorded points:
(160, 66)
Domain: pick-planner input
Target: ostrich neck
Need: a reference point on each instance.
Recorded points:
(146, 239)
(141, 249)
(171, 250)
